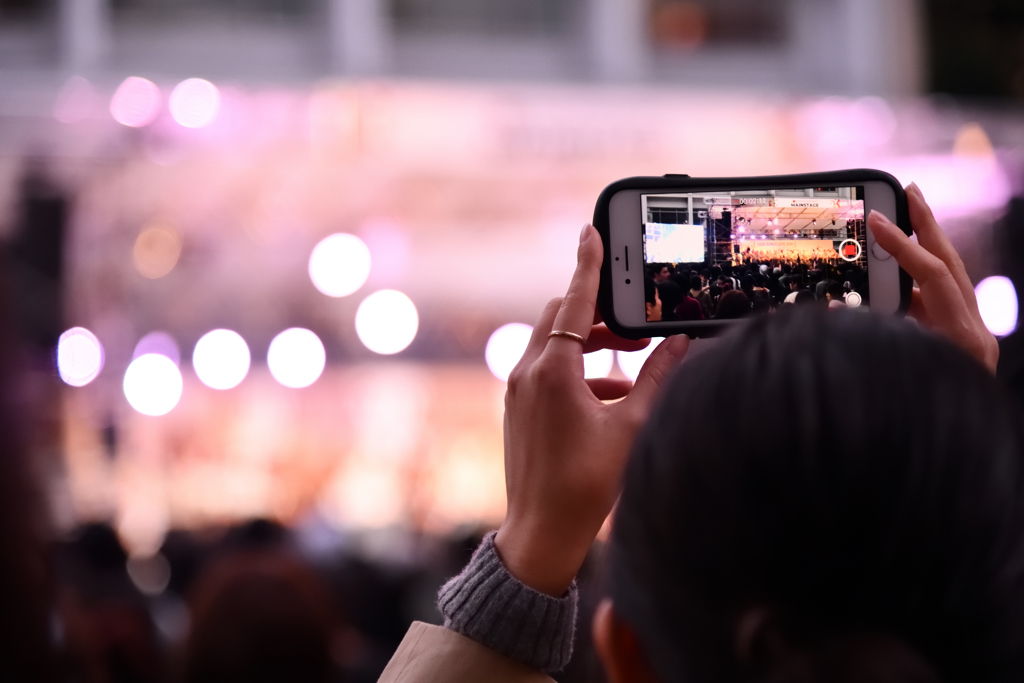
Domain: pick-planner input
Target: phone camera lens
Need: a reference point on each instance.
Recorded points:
(627, 280)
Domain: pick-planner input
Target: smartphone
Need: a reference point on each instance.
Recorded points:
(697, 256)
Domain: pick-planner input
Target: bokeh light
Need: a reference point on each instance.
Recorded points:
(79, 356)
(221, 359)
(339, 264)
(194, 103)
(156, 251)
(505, 347)
(136, 102)
(161, 343)
(296, 358)
(630, 362)
(387, 321)
(152, 384)
(997, 301)
(598, 363)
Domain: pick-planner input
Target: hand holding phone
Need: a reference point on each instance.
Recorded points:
(565, 448)
(943, 298)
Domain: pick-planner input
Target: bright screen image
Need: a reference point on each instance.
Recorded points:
(726, 255)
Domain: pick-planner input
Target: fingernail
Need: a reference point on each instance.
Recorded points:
(678, 344)
(585, 233)
(877, 215)
(916, 189)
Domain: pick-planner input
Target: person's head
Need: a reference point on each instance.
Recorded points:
(724, 283)
(794, 283)
(883, 542)
(652, 301)
(662, 272)
(732, 304)
(260, 616)
(695, 284)
(834, 291)
(747, 284)
(805, 296)
(670, 294)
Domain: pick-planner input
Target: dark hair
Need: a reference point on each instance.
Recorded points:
(259, 616)
(805, 296)
(671, 294)
(835, 289)
(649, 290)
(886, 536)
(695, 282)
(732, 304)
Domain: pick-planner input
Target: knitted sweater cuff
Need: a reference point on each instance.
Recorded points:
(492, 607)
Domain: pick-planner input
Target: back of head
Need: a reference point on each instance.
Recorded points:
(870, 530)
(259, 617)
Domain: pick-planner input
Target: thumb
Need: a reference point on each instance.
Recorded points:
(659, 364)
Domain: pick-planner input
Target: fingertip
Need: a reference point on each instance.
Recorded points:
(590, 249)
(678, 345)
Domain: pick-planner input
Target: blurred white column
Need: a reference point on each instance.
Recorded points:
(84, 32)
(620, 43)
(361, 36)
(885, 46)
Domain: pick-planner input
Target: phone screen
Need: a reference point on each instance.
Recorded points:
(724, 255)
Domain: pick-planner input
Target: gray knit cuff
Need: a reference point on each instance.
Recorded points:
(492, 607)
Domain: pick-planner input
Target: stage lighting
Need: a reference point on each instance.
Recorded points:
(195, 103)
(152, 384)
(136, 102)
(79, 356)
(505, 347)
(997, 303)
(296, 358)
(339, 264)
(160, 343)
(221, 359)
(387, 321)
(630, 362)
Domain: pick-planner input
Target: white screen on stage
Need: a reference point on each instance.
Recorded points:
(674, 243)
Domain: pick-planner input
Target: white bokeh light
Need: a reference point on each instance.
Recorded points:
(194, 103)
(158, 342)
(505, 347)
(221, 359)
(79, 356)
(997, 302)
(296, 358)
(152, 384)
(387, 321)
(136, 102)
(630, 362)
(598, 363)
(339, 264)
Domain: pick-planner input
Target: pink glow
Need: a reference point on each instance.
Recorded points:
(954, 186)
(195, 103)
(76, 101)
(136, 102)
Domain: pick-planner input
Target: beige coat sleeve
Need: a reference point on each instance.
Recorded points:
(433, 654)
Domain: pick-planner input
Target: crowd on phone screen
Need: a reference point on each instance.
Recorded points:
(687, 292)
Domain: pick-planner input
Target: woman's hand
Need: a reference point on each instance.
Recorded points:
(565, 449)
(943, 297)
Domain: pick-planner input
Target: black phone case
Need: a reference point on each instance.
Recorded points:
(673, 182)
